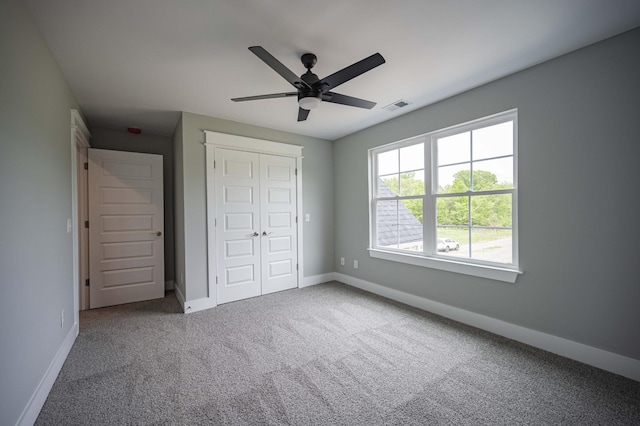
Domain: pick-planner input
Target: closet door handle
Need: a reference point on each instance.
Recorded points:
(265, 233)
(255, 234)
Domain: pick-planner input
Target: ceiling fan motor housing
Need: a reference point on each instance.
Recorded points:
(309, 98)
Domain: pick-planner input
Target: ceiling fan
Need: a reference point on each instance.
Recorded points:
(311, 91)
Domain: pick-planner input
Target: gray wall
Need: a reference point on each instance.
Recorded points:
(317, 185)
(178, 207)
(120, 140)
(578, 176)
(35, 192)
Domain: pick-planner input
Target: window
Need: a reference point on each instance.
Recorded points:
(448, 199)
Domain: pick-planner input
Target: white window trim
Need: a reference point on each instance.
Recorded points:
(506, 273)
(426, 261)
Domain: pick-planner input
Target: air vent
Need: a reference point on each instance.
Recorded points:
(397, 105)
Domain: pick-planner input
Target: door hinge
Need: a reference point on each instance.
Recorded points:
(215, 222)
(214, 164)
(296, 172)
(297, 267)
(86, 223)
(86, 282)
(86, 166)
(296, 219)
(216, 280)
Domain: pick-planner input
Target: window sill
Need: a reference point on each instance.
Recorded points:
(482, 271)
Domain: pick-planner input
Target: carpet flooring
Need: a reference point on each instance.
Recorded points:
(322, 355)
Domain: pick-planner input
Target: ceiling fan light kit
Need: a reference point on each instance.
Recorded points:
(311, 90)
(309, 102)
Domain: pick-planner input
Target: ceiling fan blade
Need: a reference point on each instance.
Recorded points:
(352, 71)
(337, 98)
(278, 67)
(302, 114)
(271, 96)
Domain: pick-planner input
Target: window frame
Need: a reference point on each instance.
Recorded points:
(430, 257)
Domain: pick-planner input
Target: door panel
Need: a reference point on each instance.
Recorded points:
(279, 232)
(126, 246)
(237, 183)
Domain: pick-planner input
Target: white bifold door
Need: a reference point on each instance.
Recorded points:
(256, 232)
(126, 245)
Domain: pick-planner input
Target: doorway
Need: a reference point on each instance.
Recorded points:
(254, 198)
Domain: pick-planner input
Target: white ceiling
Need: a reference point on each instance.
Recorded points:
(140, 62)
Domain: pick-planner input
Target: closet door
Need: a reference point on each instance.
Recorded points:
(278, 219)
(237, 183)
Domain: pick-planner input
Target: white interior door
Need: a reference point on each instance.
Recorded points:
(256, 244)
(237, 177)
(126, 222)
(278, 217)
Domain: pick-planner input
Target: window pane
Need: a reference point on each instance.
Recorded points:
(412, 157)
(388, 162)
(493, 174)
(454, 149)
(412, 183)
(387, 223)
(410, 225)
(491, 210)
(492, 245)
(452, 211)
(452, 179)
(388, 186)
(493, 141)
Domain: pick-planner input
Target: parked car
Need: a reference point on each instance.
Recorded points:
(447, 244)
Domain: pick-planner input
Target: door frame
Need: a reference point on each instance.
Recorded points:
(80, 138)
(215, 140)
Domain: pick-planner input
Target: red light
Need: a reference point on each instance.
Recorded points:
(134, 130)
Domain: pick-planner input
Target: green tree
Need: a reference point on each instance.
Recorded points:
(486, 210)
(482, 181)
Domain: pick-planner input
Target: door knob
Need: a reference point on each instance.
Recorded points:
(265, 233)
(158, 234)
(255, 234)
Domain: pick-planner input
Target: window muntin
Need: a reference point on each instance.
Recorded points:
(470, 197)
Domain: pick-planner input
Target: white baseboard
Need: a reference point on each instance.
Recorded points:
(191, 306)
(169, 285)
(608, 361)
(196, 305)
(317, 279)
(30, 413)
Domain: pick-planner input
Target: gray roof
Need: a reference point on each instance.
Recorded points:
(395, 227)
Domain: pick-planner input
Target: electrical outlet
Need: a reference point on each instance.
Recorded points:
(355, 264)
(342, 261)
(62, 318)
(307, 217)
